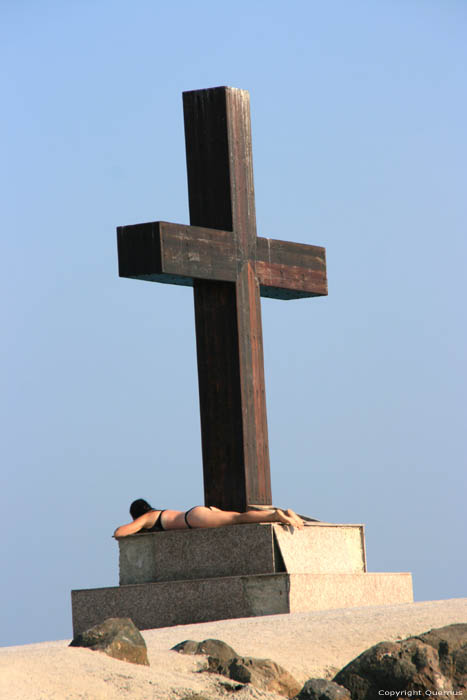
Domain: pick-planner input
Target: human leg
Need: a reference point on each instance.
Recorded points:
(200, 516)
(275, 515)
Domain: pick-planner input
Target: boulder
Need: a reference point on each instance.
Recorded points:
(321, 689)
(261, 673)
(209, 647)
(117, 637)
(451, 644)
(187, 647)
(432, 663)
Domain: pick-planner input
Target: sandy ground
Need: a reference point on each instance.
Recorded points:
(312, 644)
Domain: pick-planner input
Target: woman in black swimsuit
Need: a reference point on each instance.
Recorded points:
(150, 519)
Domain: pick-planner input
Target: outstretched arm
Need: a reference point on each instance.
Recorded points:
(132, 528)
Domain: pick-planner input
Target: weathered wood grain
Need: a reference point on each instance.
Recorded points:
(220, 394)
(229, 267)
(195, 252)
(221, 194)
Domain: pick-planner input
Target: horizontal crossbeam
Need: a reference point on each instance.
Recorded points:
(178, 254)
(288, 270)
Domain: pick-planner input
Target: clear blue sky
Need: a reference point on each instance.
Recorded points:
(359, 144)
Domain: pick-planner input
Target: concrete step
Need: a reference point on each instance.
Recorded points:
(169, 603)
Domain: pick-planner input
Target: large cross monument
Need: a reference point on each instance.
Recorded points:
(186, 576)
(229, 268)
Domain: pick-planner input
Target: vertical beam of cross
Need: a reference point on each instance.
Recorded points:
(228, 314)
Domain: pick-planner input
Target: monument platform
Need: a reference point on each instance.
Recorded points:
(242, 550)
(187, 576)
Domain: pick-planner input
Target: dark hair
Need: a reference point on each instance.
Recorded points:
(139, 507)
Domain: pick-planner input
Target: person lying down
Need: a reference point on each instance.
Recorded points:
(149, 519)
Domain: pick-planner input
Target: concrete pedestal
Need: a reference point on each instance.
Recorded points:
(186, 576)
(264, 548)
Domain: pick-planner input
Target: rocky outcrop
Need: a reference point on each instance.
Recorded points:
(432, 663)
(321, 689)
(117, 637)
(210, 647)
(261, 673)
(451, 644)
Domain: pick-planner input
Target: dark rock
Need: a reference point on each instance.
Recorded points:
(321, 689)
(217, 648)
(432, 663)
(392, 666)
(451, 644)
(117, 637)
(210, 647)
(187, 647)
(262, 673)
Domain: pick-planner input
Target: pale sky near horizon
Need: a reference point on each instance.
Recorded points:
(359, 144)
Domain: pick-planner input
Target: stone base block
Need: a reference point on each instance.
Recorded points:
(170, 603)
(241, 550)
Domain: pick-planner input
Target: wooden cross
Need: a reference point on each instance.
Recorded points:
(229, 268)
